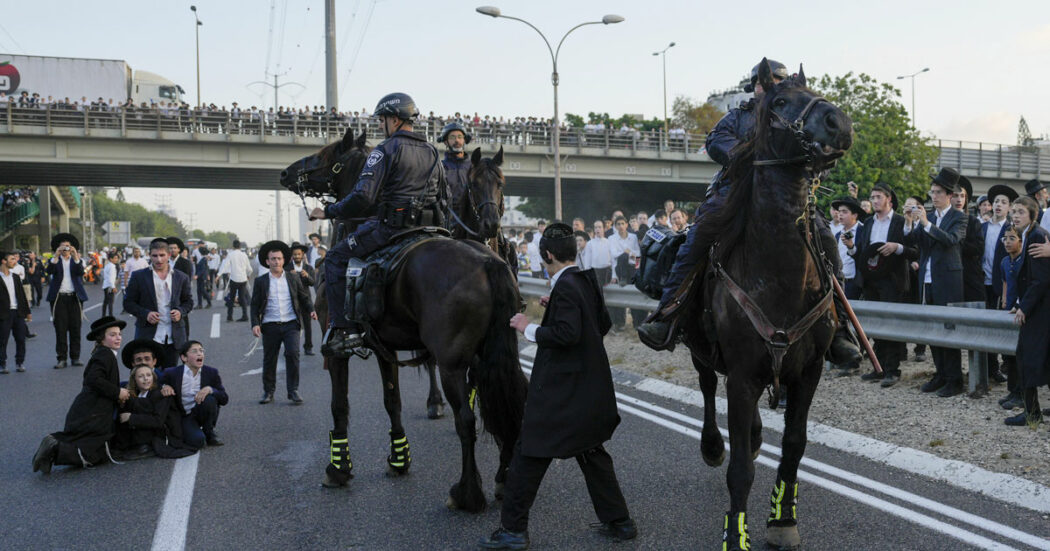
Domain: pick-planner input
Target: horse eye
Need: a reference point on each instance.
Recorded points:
(779, 102)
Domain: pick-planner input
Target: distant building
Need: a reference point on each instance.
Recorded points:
(729, 98)
(512, 217)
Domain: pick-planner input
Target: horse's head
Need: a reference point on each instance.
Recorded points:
(326, 172)
(485, 192)
(793, 124)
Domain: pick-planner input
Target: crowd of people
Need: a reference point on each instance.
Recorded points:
(11, 198)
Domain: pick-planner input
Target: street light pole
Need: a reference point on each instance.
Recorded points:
(494, 12)
(197, 32)
(912, 77)
(663, 54)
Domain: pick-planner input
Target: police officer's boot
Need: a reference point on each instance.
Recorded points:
(844, 350)
(658, 332)
(340, 342)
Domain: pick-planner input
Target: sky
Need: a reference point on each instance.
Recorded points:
(987, 60)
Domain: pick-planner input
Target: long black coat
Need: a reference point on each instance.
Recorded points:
(571, 406)
(1033, 292)
(898, 268)
(90, 420)
(942, 245)
(154, 421)
(972, 249)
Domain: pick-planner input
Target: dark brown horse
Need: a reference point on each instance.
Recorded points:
(452, 299)
(768, 319)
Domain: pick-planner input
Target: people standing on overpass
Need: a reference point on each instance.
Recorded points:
(457, 165)
(239, 268)
(67, 296)
(14, 312)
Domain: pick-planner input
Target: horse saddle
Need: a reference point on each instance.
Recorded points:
(367, 278)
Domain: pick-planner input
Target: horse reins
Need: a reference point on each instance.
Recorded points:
(796, 128)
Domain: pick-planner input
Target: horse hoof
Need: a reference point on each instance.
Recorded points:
(329, 482)
(783, 538)
(435, 411)
(393, 472)
(499, 491)
(450, 502)
(714, 461)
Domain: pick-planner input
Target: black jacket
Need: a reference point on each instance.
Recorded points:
(997, 257)
(185, 266)
(736, 126)
(301, 304)
(22, 305)
(571, 406)
(456, 171)
(309, 278)
(172, 377)
(943, 247)
(90, 420)
(140, 298)
(972, 249)
(154, 421)
(1033, 298)
(897, 267)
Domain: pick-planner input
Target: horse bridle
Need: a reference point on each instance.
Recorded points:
(303, 175)
(475, 209)
(796, 128)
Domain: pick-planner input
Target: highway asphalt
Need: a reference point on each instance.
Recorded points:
(262, 489)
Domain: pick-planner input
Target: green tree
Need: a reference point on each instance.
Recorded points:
(693, 116)
(199, 234)
(538, 207)
(572, 120)
(144, 222)
(885, 146)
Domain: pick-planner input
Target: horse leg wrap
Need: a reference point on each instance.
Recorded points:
(400, 457)
(734, 532)
(339, 469)
(782, 504)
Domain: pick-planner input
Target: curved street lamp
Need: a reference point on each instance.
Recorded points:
(610, 19)
(663, 53)
(912, 77)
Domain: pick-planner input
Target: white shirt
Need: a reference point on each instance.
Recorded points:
(1045, 222)
(279, 300)
(109, 276)
(530, 330)
(849, 266)
(163, 334)
(21, 271)
(619, 245)
(991, 239)
(239, 266)
(191, 385)
(133, 264)
(67, 280)
(598, 253)
(535, 262)
(929, 261)
(213, 262)
(9, 282)
(312, 255)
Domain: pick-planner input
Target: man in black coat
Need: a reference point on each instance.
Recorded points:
(14, 312)
(279, 301)
(302, 268)
(66, 295)
(160, 300)
(972, 248)
(571, 408)
(175, 248)
(882, 272)
(939, 236)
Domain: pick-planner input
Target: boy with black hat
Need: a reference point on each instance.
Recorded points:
(565, 416)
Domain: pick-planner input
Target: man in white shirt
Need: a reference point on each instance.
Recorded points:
(278, 299)
(160, 299)
(240, 270)
(532, 249)
(849, 210)
(597, 255)
(109, 283)
(136, 262)
(625, 251)
(13, 313)
(66, 295)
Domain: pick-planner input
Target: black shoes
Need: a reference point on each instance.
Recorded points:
(843, 350)
(61, 364)
(505, 539)
(267, 397)
(873, 376)
(656, 335)
(920, 356)
(933, 385)
(294, 397)
(953, 388)
(44, 457)
(213, 440)
(308, 351)
(618, 530)
(76, 363)
(997, 376)
(1011, 401)
(889, 380)
(242, 319)
(140, 452)
(4, 371)
(1023, 419)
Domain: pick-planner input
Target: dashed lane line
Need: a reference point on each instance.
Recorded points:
(175, 512)
(215, 324)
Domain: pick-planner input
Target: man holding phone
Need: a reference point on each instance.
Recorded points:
(66, 295)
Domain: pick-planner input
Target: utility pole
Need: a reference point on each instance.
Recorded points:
(331, 91)
(276, 86)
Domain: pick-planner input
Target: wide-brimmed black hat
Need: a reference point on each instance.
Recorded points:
(176, 241)
(873, 265)
(1031, 187)
(60, 237)
(99, 326)
(141, 345)
(885, 188)
(1000, 189)
(313, 235)
(264, 251)
(299, 246)
(849, 202)
(964, 184)
(947, 178)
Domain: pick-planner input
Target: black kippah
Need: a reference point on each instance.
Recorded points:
(557, 231)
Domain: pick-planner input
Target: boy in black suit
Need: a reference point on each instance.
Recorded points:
(571, 408)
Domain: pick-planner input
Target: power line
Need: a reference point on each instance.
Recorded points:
(9, 35)
(280, 43)
(269, 37)
(357, 47)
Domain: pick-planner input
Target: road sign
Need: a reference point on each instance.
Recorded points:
(117, 233)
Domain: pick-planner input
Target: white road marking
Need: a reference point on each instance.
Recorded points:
(90, 308)
(175, 512)
(857, 495)
(258, 370)
(215, 326)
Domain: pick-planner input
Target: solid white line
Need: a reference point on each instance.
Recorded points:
(280, 367)
(215, 326)
(175, 512)
(90, 308)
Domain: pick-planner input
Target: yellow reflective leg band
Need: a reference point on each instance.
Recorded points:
(473, 397)
(741, 527)
(776, 500)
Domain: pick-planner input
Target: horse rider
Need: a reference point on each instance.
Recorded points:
(735, 127)
(399, 185)
(456, 162)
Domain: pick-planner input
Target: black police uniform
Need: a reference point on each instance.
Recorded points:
(456, 172)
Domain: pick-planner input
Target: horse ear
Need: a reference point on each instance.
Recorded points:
(348, 138)
(362, 140)
(475, 157)
(498, 159)
(765, 75)
(801, 75)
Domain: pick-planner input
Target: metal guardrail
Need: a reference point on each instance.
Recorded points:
(945, 326)
(13, 217)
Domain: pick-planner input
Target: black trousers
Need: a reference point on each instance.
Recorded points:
(948, 361)
(238, 290)
(107, 301)
(15, 324)
(526, 473)
(890, 353)
(67, 310)
(200, 422)
(38, 289)
(203, 291)
(308, 331)
(274, 335)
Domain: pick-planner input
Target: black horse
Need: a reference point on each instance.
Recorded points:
(452, 299)
(768, 319)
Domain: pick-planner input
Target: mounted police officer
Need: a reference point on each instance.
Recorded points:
(735, 127)
(399, 186)
(456, 162)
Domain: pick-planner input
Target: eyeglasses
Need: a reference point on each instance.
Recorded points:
(1007, 238)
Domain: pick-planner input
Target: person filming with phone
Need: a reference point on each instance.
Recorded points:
(66, 295)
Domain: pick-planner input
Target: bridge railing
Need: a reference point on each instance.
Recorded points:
(999, 160)
(11, 218)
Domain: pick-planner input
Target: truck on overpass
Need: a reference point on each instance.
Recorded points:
(76, 78)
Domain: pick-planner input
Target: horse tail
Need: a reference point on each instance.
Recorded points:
(500, 382)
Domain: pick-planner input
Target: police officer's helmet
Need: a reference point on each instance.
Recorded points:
(397, 105)
(778, 69)
(451, 127)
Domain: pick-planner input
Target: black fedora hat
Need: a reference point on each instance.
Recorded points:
(964, 184)
(141, 345)
(885, 188)
(176, 241)
(313, 235)
(947, 178)
(1000, 189)
(61, 237)
(266, 248)
(299, 246)
(849, 202)
(1031, 187)
(99, 326)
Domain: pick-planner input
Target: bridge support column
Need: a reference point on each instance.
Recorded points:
(44, 224)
